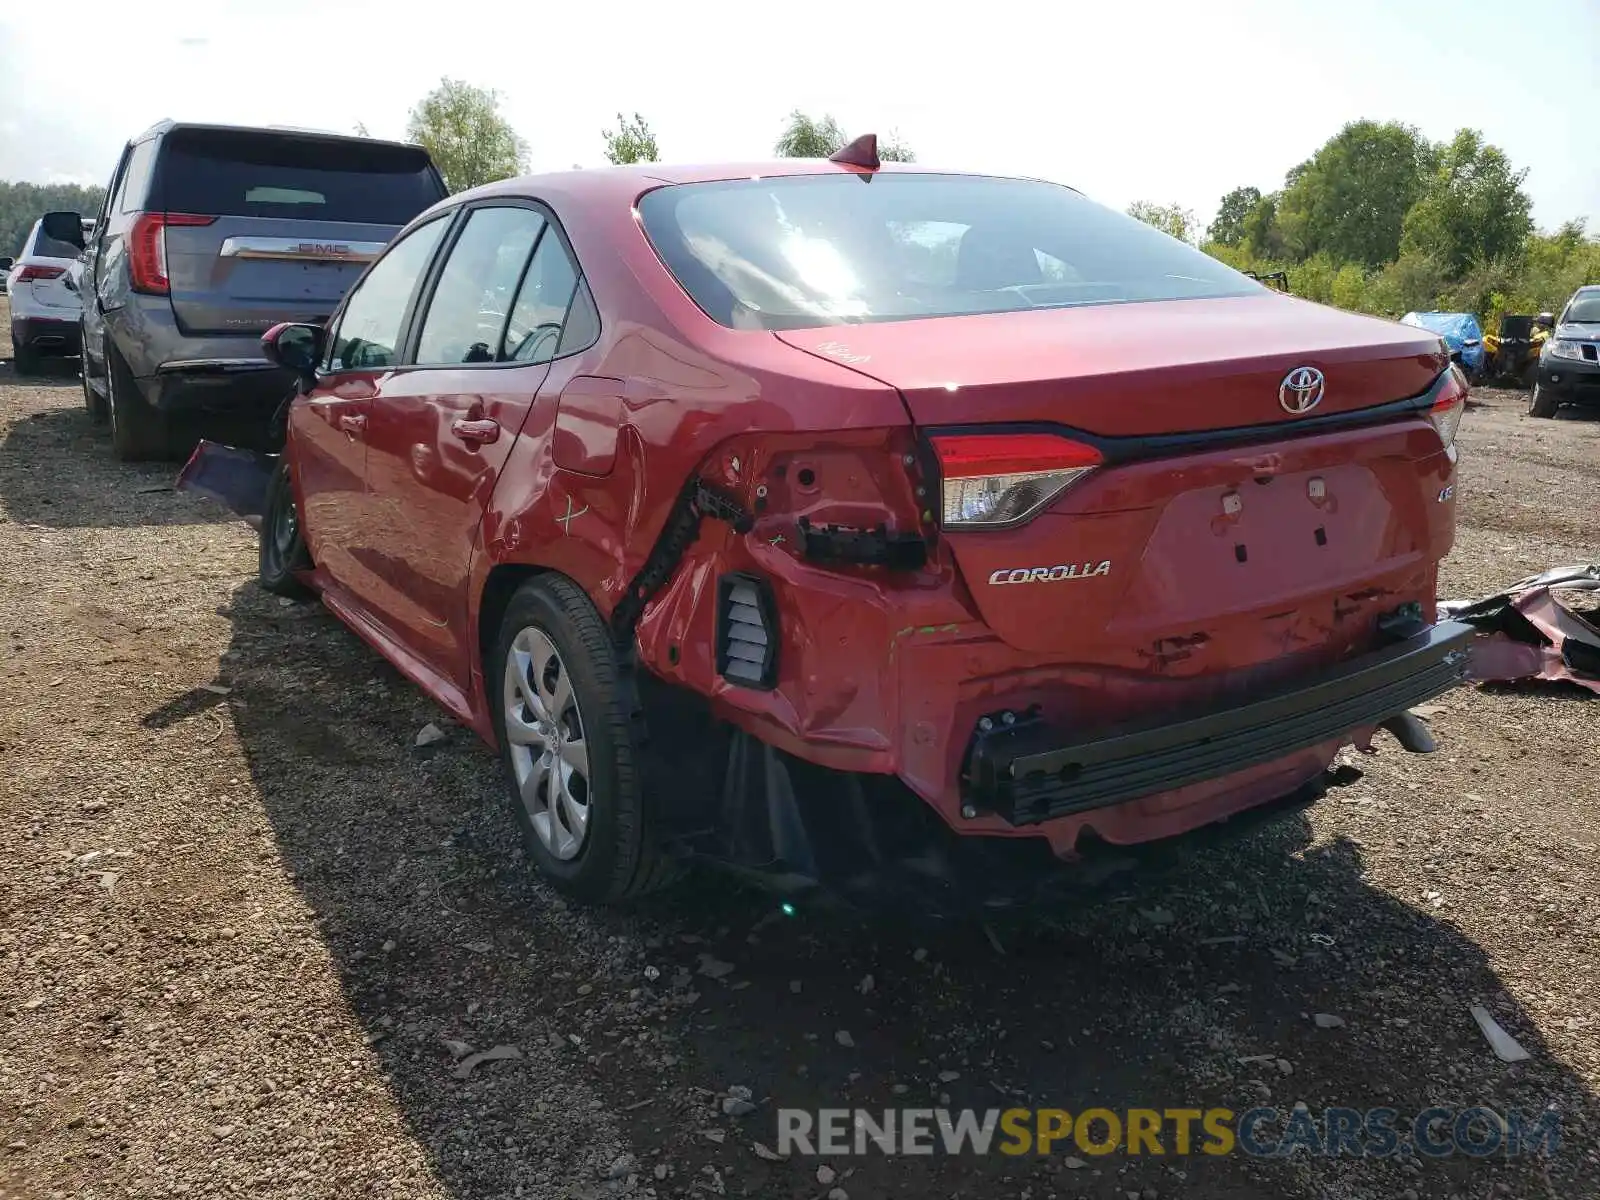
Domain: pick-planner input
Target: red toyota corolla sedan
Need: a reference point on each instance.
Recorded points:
(840, 520)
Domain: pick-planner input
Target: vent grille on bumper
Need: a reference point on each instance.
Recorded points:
(1028, 772)
(747, 632)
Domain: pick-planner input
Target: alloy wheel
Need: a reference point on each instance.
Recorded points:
(545, 740)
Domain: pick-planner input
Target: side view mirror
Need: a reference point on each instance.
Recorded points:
(294, 347)
(63, 227)
(6, 263)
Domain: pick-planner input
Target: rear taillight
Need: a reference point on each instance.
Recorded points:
(33, 271)
(1448, 409)
(147, 249)
(993, 481)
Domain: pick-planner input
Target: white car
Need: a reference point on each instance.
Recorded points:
(45, 310)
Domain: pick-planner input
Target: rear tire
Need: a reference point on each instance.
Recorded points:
(138, 431)
(571, 765)
(1542, 403)
(24, 358)
(283, 552)
(93, 403)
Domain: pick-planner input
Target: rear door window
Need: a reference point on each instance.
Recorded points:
(534, 332)
(136, 180)
(369, 329)
(467, 314)
(229, 174)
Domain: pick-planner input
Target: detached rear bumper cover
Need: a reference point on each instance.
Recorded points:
(1028, 772)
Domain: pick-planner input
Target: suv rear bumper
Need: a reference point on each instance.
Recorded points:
(48, 335)
(1026, 772)
(194, 373)
(221, 385)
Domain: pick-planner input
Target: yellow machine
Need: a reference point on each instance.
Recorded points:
(1513, 352)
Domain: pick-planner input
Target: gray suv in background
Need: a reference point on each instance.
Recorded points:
(209, 236)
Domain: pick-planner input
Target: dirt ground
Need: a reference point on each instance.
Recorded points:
(242, 918)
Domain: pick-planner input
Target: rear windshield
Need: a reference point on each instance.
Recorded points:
(261, 175)
(813, 250)
(47, 247)
(1584, 310)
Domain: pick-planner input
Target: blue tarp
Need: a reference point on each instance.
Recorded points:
(1457, 329)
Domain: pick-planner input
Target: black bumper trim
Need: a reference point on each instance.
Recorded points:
(1024, 772)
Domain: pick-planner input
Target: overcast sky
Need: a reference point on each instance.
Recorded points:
(1126, 101)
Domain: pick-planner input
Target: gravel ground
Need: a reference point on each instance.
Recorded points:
(251, 936)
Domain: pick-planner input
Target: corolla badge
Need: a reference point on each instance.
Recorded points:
(1056, 574)
(1300, 391)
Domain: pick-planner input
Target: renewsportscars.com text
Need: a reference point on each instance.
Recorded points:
(1259, 1132)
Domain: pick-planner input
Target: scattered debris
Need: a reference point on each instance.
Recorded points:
(844, 1039)
(867, 984)
(430, 734)
(1529, 633)
(620, 1167)
(766, 1153)
(1505, 1047)
(738, 1102)
(713, 967)
(994, 941)
(826, 1175)
(467, 1065)
(458, 1050)
(1328, 1021)
(216, 689)
(715, 1135)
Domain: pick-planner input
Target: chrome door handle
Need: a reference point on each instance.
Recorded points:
(352, 422)
(476, 432)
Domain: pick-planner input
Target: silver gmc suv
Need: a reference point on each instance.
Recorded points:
(210, 235)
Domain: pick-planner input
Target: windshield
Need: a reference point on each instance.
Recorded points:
(1584, 310)
(804, 251)
(45, 246)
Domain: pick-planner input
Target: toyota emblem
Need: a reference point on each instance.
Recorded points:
(1300, 391)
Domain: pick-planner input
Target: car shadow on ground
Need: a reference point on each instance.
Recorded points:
(1195, 981)
(43, 480)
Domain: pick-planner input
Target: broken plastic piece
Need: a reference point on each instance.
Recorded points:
(868, 547)
(1505, 1047)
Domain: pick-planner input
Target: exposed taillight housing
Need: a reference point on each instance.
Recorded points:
(1449, 407)
(147, 250)
(32, 271)
(999, 480)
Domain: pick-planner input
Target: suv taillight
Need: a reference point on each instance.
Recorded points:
(32, 271)
(1448, 409)
(147, 249)
(997, 480)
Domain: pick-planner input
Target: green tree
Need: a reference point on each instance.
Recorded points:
(1169, 218)
(1473, 210)
(809, 137)
(1350, 199)
(818, 137)
(21, 204)
(1228, 225)
(631, 142)
(471, 143)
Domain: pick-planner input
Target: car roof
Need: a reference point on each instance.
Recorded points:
(167, 125)
(626, 182)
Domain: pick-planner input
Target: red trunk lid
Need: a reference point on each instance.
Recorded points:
(1173, 366)
(1210, 558)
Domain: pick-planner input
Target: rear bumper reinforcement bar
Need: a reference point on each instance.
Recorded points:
(1028, 772)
